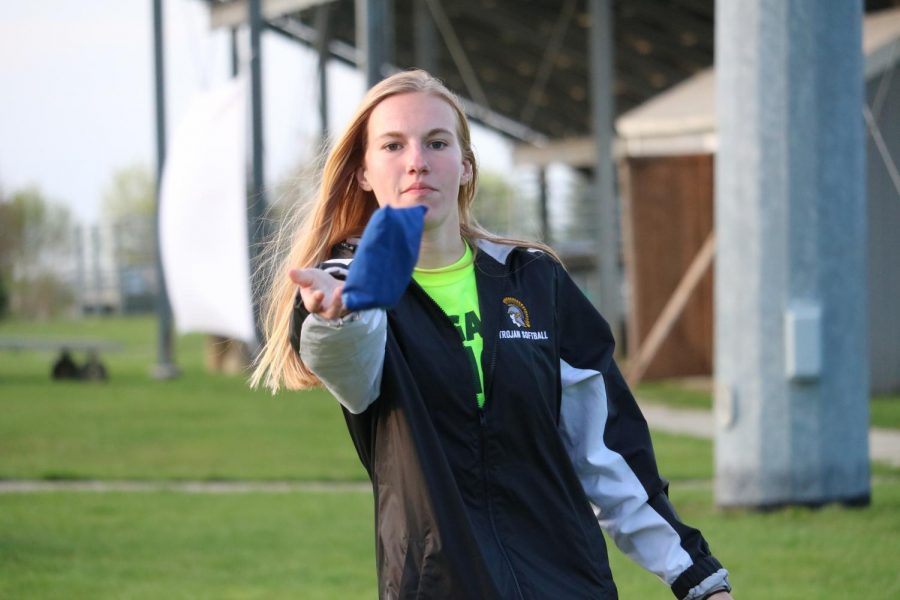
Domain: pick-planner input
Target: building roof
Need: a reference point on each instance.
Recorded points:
(522, 66)
(683, 118)
(530, 57)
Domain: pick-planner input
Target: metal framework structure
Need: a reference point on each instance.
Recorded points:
(538, 71)
(526, 62)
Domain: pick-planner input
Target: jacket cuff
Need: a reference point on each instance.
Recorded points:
(724, 587)
(701, 578)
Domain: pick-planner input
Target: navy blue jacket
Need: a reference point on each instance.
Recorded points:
(508, 501)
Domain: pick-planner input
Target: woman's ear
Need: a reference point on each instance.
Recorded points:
(467, 173)
(361, 179)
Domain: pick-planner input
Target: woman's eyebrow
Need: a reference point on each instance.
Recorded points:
(439, 131)
(397, 134)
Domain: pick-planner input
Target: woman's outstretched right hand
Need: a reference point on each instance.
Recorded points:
(320, 292)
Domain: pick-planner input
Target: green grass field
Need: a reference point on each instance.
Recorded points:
(319, 545)
(199, 426)
(168, 545)
(307, 544)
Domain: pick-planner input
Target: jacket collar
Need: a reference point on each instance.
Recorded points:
(499, 252)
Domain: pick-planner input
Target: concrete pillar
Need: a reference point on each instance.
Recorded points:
(790, 279)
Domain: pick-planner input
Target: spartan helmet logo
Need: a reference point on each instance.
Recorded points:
(515, 315)
(517, 312)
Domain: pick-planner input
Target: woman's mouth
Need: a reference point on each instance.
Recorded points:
(418, 188)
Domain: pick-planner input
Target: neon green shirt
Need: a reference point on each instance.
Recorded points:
(453, 289)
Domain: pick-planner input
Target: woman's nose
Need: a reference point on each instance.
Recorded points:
(416, 160)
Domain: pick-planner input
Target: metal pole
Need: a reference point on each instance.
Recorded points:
(388, 32)
(374, 41)
(256, 202)
(601, 87)
(323, 28)
(235, 57)
(256, 100)
(370, 38)
(81, 280)
(165, 367)
(542, 202)
(95, 264)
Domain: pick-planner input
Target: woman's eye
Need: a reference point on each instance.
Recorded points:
(392, 146)
(437, 144)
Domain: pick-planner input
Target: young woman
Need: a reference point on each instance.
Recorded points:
(486, 405)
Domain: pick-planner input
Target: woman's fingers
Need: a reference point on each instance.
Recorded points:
(336, 299)
(331, 306)
(304, 277)
(312, 300)
(320, 292)
(336, 304)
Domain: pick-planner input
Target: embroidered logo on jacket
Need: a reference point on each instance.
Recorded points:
(517, 312)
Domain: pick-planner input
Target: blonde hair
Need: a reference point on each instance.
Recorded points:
(341, 209)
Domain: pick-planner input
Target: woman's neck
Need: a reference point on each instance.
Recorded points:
(440, 251)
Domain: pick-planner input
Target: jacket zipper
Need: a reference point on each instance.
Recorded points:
(490, 384)
(482, 419)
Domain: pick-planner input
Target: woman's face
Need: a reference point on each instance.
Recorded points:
(413, 156)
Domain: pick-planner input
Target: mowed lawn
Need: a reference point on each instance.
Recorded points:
(198, 426)
(306, 544)
(320, 545)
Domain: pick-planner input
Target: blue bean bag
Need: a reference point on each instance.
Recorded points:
(383, 264)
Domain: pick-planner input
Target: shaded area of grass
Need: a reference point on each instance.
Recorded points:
(680, 457)
(884, 411)
(198, 426)
(674, 393)
(160, 545)
(195, 428)
(320, 546)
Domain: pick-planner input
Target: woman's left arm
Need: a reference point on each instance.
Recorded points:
(609, 444)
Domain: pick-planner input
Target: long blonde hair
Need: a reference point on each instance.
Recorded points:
(341, 209)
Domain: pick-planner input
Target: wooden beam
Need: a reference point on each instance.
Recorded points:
(671, 311)
(581, 152)
(575, 152)
(629, 256)
(458, 53)
(235, 13)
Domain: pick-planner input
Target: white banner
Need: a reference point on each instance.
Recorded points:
(203, 217)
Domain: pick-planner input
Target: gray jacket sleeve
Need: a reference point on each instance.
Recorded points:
(347, 355)
(609, 444)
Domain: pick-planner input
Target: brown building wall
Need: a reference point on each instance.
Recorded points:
(667, 214)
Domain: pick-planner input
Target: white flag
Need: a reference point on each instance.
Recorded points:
(203, 217)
